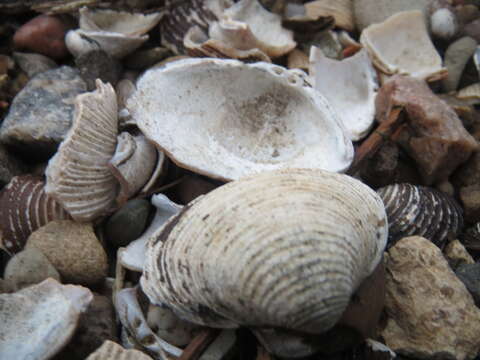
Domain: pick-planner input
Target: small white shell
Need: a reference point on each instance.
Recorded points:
(226, 119)
(78, 176)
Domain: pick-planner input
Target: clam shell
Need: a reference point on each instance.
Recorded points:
(281, 249)
(78, 176)
(25, 207)
(412, 53)
(226, 119)
(422, 211)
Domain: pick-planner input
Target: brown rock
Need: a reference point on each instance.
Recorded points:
(43, 34)
(433, 134)
(456, 254)
(430, 312)
(470, 197)
(73, 249)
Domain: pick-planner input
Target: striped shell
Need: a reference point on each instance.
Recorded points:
(420, 210)
(78, 176)
(281, 249)
(25, 207)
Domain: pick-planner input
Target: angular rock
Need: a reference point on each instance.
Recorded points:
(112, 351)
(29, 267)
(10, 166)
(469, 274)
(430, 312)
(33, 64)
(73, 249)
(457, 255)
(434, 135)
(42, 113)
(455, 59)
(97, 64)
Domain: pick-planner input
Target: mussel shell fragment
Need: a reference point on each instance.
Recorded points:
(422, 211)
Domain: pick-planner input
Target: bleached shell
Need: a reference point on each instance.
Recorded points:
(279, 249)
(78, 176)
(247, 25)
(132, 164)
(341, 10)
(226, 119)
(420, 210)
(412, 53)
(25, 207)
(39, 320)
(351, 87)
(112, 351)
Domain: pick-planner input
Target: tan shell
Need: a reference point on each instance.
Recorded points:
(411, 53)
(341, 10)
(112, 351)
(78, 175)
(226, 119)
(39, 320)
(283, 249)
(24, 207)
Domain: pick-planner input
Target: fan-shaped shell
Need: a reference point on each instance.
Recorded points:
(226, 119)
(420, 210)
(25, 207)
(78, 176)
(280, 249)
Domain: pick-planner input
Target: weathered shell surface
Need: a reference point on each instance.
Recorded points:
(78, 176)
(39, 320)
(279, 249)
(239, 118)
(24, 207)
(420, 210)
(412, 53)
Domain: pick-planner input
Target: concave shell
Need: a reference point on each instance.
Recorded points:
(280, 249)
(78, 176)
(411, 53)
(39, 320)
(25, 207)
(226, 119)
(420, 210)
(351, 87)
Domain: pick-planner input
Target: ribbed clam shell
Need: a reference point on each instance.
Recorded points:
(280, 249)
(78, 175)
(420, 210)
(24, 207)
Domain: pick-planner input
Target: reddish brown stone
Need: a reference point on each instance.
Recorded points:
(44, 35)
(434, 135)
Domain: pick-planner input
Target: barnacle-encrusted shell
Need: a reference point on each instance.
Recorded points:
(24, 207)
(420, 210)
(78, 176)
(279, 249)
(226, 119)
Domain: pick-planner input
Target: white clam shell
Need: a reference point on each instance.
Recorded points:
(78, 176)
(282, 249)
(226, 119)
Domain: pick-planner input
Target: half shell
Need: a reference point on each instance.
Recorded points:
(226, 119)
(25, 207)
(281, 249)
(422, 211)
(78, 176)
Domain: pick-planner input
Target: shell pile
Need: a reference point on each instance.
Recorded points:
(420, 210)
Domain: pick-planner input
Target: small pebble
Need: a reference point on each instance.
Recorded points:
(470, 276)
(33, 64)
(97, 64)
(73, 249)
(128, 223)
(43, 34)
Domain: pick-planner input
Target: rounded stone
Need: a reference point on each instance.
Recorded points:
(128, 223)
(73, 249)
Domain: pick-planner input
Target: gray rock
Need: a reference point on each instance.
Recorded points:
(97, 64)
(221, 347)
(470, 276)
(33, 64)
(29, 267)
(42, 113)
(10, 166)
(128, 223)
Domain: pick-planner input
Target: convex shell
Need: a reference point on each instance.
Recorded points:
(283, 249)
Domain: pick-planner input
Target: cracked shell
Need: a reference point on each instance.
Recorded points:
(226, 119)
(283, 249)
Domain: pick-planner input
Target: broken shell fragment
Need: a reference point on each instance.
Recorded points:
(470, 93)
(420, 210)
(237, 256)
(78, 176)
(25, 207)
(351, 87)
(39, 320)
(412, 53)
(340, 10)
(242, 118)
